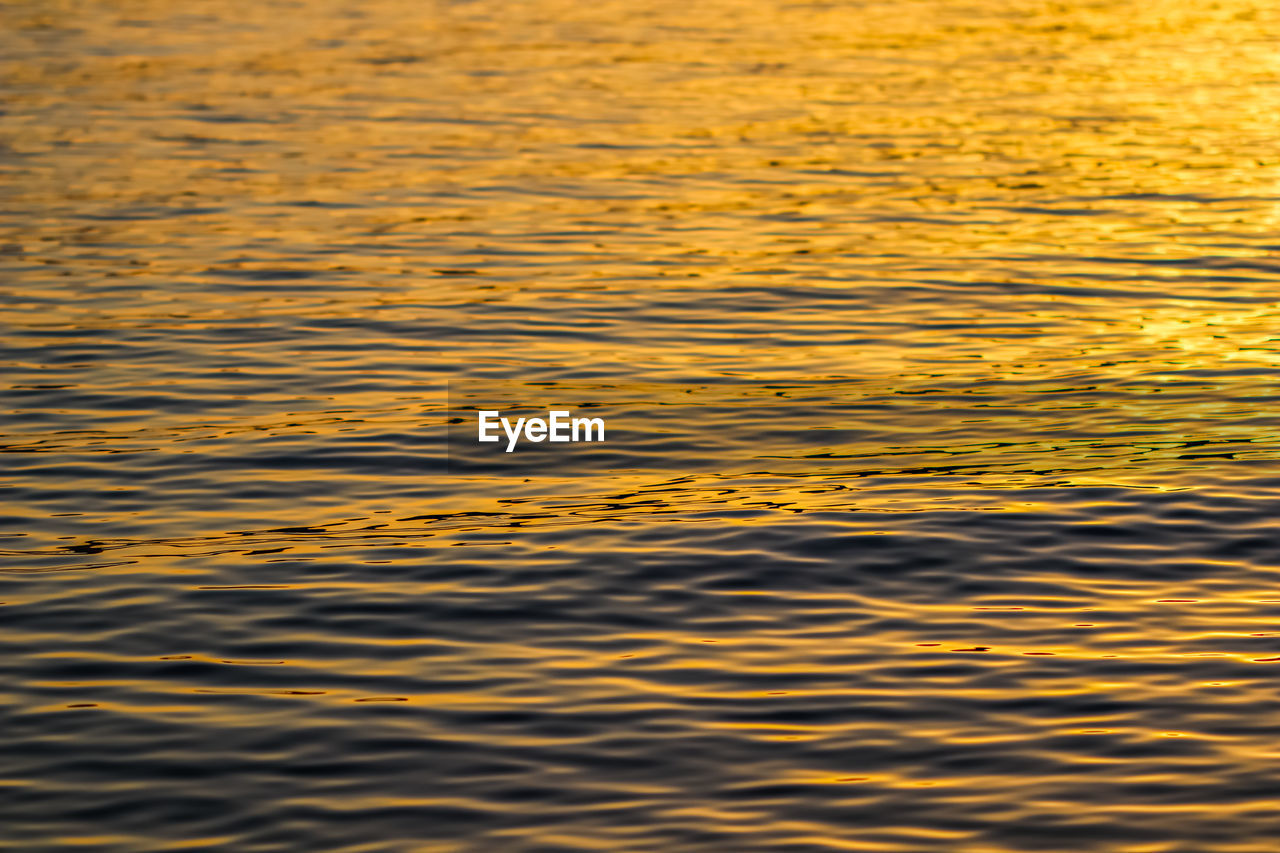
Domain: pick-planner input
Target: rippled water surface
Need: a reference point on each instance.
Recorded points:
(1013, 587)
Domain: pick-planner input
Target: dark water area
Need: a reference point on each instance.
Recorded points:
(963, 540)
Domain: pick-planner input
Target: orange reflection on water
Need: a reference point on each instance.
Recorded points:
(1013, 593)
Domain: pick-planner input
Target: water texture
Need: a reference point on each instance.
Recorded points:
(1015, 590)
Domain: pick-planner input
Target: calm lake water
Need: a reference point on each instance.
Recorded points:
(1016, 589)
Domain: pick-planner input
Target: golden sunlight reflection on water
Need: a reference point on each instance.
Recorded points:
(942, 342)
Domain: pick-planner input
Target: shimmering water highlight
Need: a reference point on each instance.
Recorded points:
(1015, 590)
